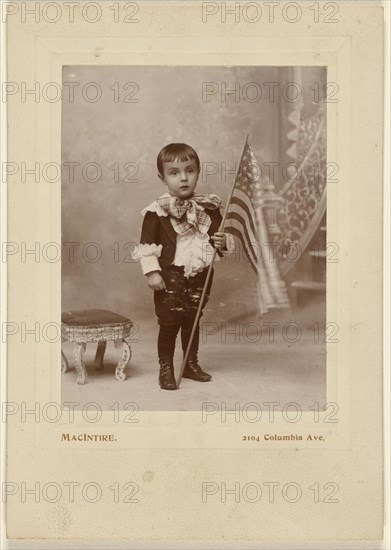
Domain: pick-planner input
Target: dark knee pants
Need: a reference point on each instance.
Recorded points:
(176, 307)
(180, 301)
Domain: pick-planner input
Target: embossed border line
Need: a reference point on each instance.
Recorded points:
(51, 54)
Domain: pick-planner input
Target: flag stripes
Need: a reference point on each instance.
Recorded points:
(248, 239)
(246, 221)
(241, 219)
(237, 233)
(243, 203)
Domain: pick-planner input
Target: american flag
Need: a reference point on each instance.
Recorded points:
(246, 220)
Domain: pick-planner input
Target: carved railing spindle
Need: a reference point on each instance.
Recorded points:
(271, 203)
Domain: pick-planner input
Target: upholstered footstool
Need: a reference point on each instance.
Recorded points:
(95, 326)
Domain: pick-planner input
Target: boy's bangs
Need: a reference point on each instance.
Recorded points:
(176, 152)
(181, 157)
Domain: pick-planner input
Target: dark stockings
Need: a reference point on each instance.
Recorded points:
(187, 326)
(166, 341)
(167, 338)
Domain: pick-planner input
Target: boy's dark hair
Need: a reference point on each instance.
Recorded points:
(176, 151)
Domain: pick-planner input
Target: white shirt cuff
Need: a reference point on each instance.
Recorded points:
(149, 263)
(148, 255)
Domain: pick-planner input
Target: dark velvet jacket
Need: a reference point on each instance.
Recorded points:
(159, 230)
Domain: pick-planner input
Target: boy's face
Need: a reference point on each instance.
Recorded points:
(181, 177)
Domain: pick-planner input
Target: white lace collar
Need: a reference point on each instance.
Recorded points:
(154, 207)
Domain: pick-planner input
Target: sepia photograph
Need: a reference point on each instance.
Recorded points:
(193, 222)
(194, 274)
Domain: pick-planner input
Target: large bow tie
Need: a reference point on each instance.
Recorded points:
(190, 213)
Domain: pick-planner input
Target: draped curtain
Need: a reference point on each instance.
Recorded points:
(302, 154)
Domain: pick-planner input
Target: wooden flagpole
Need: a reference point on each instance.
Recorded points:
(209, 274)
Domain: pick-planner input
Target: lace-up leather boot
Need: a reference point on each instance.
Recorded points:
(166, 374)
(193, 370)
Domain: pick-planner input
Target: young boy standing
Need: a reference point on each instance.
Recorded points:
(179, 233)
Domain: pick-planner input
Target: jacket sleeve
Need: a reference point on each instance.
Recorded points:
(216, 218)
(149, 250)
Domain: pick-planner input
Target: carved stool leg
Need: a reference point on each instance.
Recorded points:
(100, 352)
(126, 355)
(64, 363)
(78, 351)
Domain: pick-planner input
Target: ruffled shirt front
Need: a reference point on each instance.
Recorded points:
(193, 249)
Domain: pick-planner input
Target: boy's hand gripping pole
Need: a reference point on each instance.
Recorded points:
(198, 315)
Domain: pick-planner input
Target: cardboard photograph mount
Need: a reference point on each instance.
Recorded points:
(284, 444)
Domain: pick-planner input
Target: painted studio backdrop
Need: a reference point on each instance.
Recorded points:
(115, 120)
